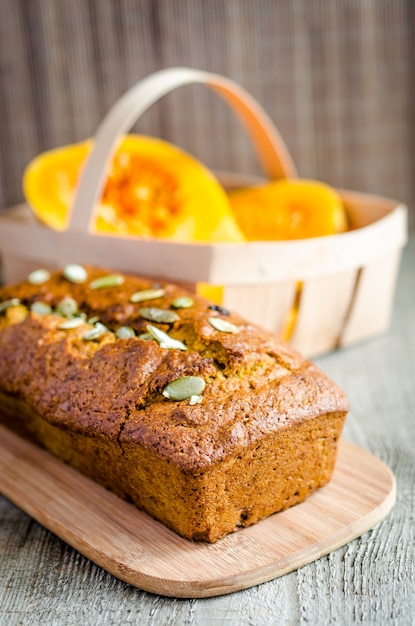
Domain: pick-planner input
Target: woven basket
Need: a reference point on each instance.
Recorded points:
(320, 293)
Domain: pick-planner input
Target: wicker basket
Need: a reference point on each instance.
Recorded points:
(320, 293)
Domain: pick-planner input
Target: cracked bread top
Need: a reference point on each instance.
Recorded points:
(113, 387)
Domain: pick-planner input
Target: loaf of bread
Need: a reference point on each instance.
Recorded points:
(195, 415)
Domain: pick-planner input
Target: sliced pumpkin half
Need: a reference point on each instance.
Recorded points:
(153, 189)
(288, 209)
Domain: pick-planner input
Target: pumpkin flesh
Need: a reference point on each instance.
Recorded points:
(152, 189)
(288, 209)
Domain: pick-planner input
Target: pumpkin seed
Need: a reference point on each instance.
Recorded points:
(184, 388)
(97, 331)
(164, 340)
(195, 400)
(73, 322)
(110, 280)
(182, 302)
(93, 320)
(38, 277)
(75, 273)
(152, 314)
(67, 307)
(156, 333)
(6, 304)
(125, 332)
(147, 294)
(222, 325)
(146, 336)
(41, 308)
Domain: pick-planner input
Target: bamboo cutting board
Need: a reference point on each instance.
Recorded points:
(135, 548)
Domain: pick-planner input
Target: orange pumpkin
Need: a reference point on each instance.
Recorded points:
(153, 189)
(288, 209)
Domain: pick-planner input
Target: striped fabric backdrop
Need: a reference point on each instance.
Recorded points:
(337, 77)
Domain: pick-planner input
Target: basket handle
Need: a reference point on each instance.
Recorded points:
(272, 150)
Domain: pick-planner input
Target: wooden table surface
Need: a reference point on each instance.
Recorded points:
(369, 581)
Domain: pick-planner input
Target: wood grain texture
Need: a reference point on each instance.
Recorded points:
(142, 552)
(336, 77)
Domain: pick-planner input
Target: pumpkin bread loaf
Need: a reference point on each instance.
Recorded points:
(195, 415)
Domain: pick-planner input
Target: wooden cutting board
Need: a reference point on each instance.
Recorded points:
(135, 548)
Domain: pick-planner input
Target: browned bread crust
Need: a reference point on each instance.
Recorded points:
(261, 436)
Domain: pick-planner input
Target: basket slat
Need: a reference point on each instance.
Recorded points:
(265, 305)
(322, 310)
(372, 307)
